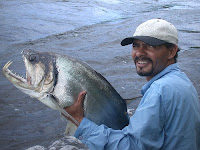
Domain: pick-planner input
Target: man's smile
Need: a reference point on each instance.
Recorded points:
(142, 62)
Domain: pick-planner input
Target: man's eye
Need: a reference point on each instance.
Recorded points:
(150, 46)
(135, 45)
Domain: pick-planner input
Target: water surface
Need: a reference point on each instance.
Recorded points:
(89, 30)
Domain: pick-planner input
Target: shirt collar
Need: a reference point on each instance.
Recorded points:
(158, 76)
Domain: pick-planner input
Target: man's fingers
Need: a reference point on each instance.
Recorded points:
(81, 97)
(76, 110)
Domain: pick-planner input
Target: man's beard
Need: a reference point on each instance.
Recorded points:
(140, 71)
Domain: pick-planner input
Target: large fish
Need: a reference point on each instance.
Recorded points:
(56, 80)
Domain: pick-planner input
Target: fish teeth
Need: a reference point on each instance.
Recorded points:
(10, 72)
(7, 64)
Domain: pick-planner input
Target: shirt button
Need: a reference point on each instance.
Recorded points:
(80, 137)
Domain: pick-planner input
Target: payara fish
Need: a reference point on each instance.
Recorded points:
(56, 80)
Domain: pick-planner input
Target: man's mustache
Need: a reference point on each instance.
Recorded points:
(142, 59)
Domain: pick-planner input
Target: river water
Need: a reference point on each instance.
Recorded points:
(89, 30)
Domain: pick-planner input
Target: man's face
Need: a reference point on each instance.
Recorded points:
(149, 60)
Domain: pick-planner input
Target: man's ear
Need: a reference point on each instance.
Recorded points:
(172, 51)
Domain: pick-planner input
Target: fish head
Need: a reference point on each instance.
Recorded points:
(40, 76)
(39, 70)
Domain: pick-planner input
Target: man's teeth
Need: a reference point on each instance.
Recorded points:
(142, 62)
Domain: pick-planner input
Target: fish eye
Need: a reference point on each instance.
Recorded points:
(33, 57)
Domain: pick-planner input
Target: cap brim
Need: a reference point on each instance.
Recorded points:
(146, 39)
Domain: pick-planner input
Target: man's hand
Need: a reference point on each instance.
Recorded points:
(76, 110)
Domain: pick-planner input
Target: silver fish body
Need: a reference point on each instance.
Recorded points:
(56, 80)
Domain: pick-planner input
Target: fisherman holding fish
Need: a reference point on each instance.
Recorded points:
(168, 116)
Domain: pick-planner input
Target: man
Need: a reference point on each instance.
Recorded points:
(168, 116)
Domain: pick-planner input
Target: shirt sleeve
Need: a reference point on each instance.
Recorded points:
(145, 129)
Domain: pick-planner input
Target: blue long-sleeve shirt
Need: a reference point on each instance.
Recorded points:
(168, 117)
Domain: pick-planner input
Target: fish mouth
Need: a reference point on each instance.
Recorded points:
(20, 81)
